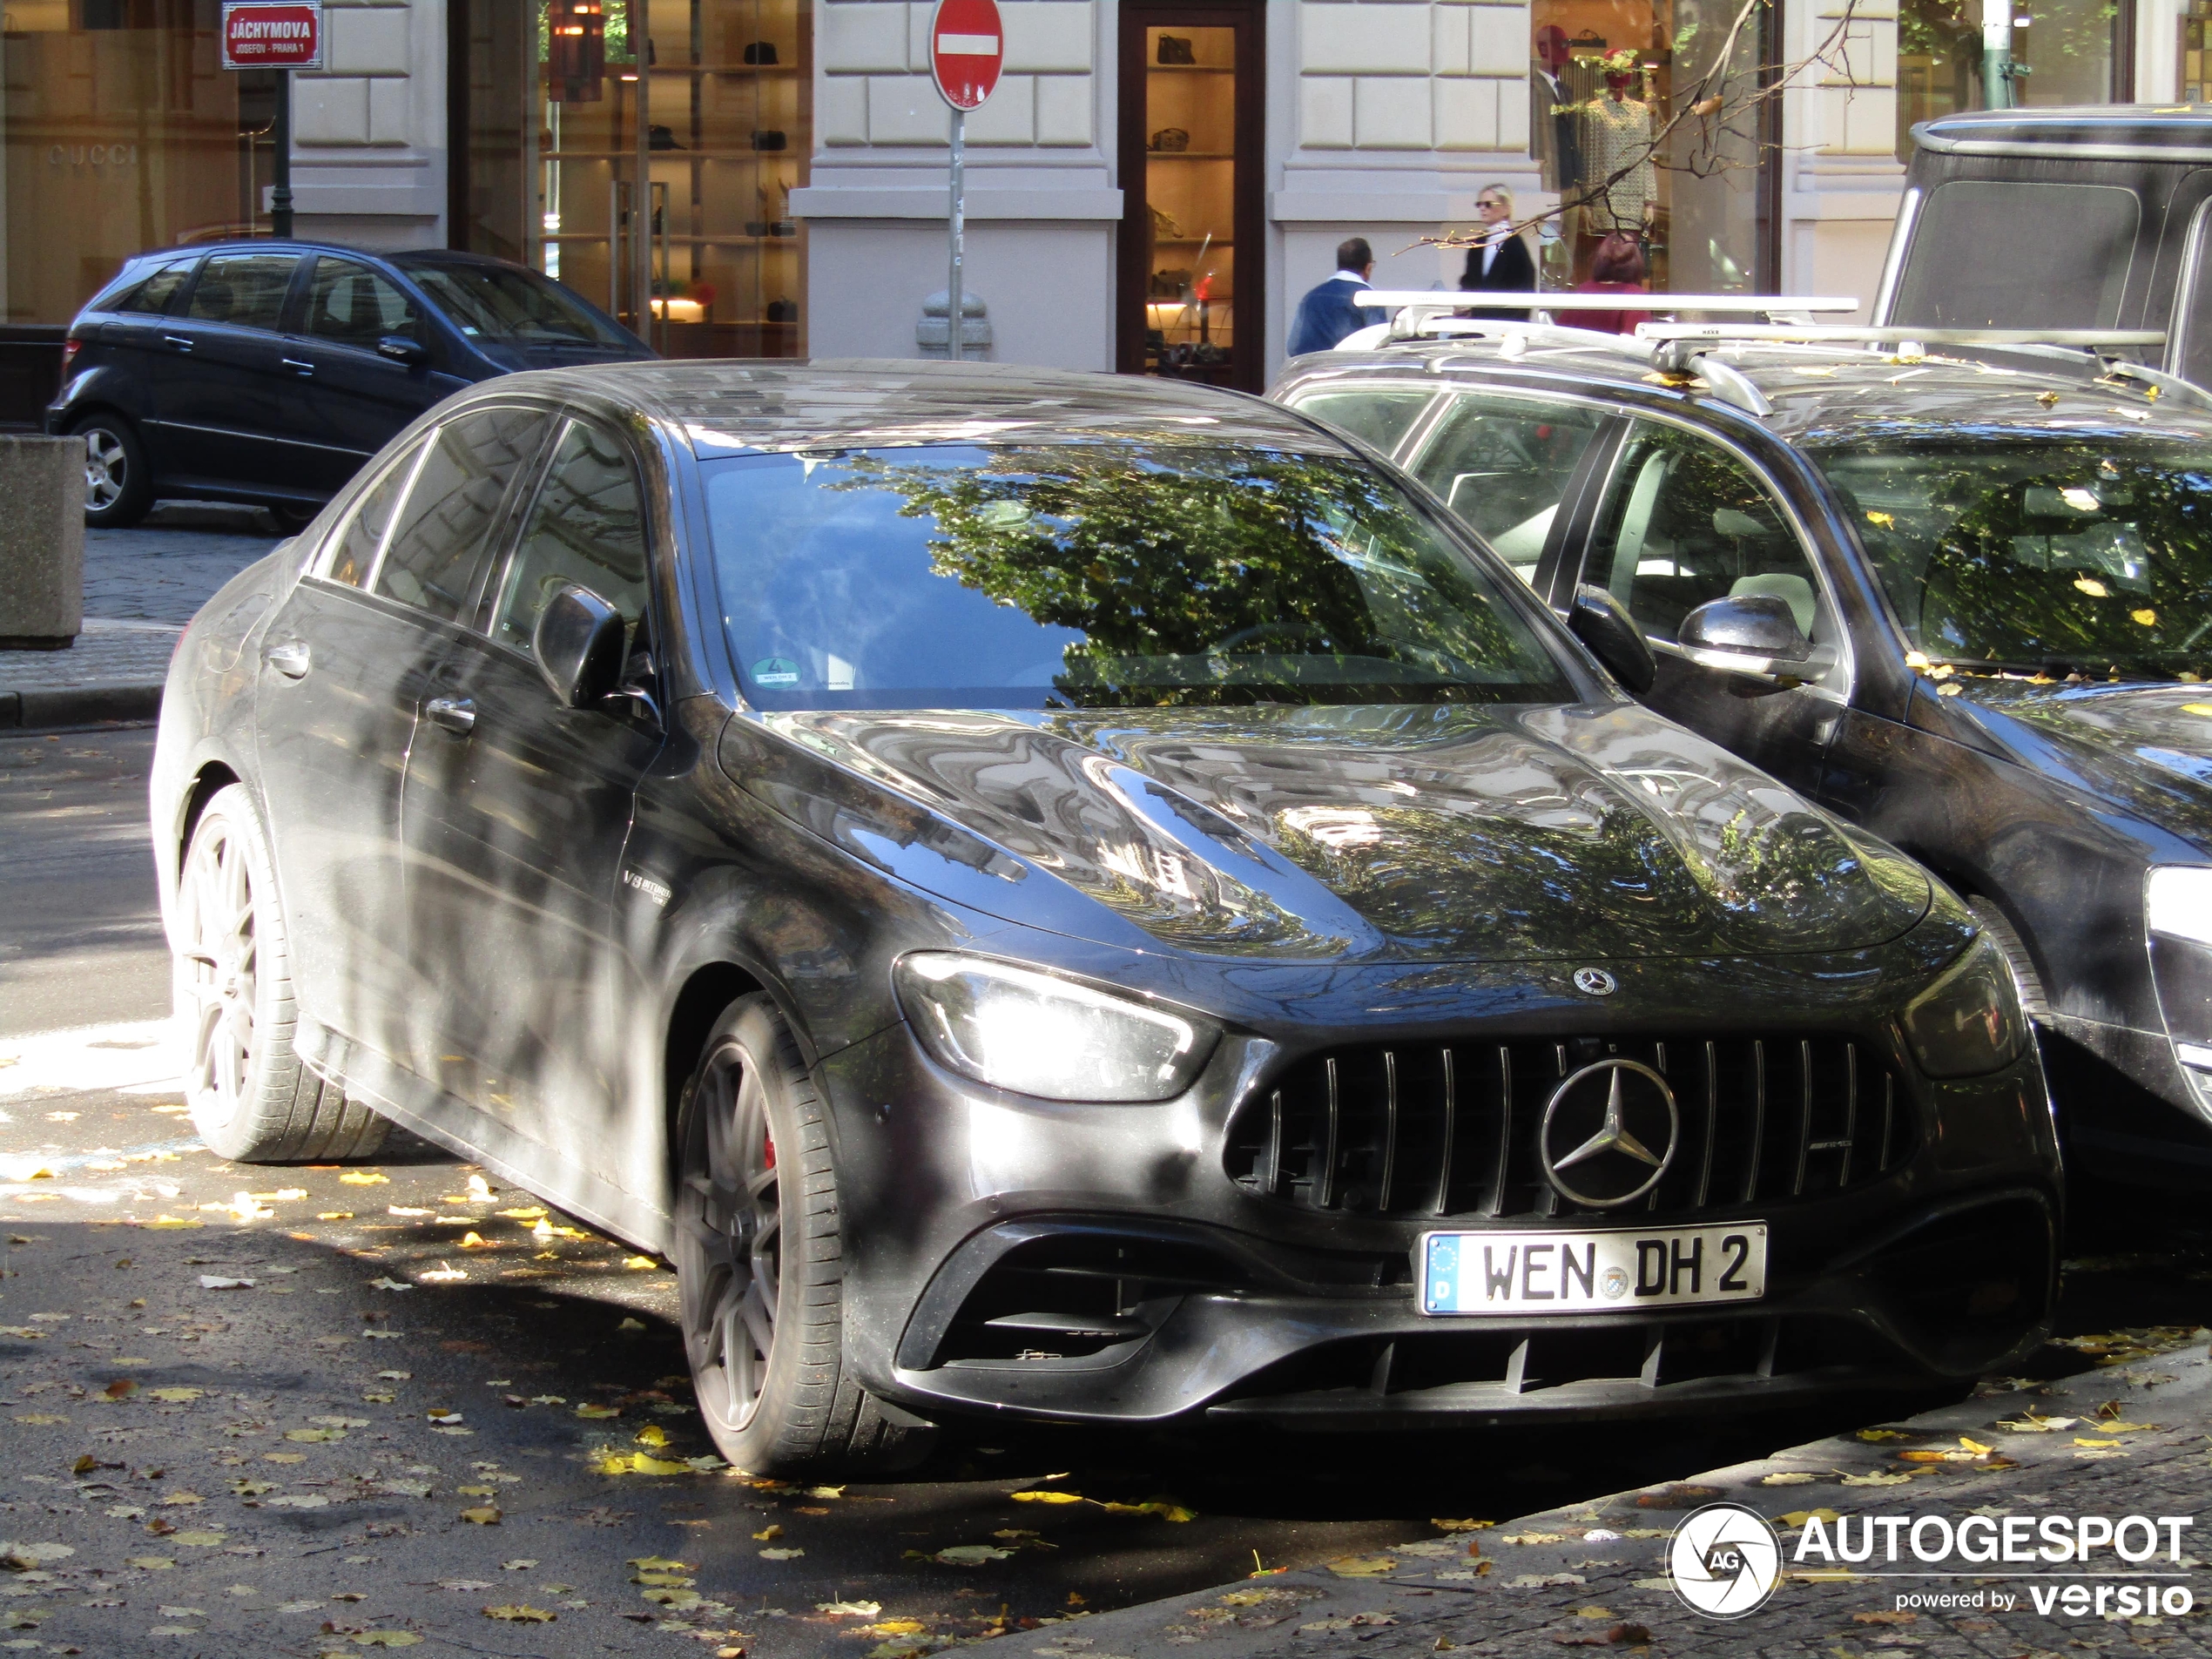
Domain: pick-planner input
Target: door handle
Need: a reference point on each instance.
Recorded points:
(180, 341)
(291, 659)
(456, 714)
(307, 370)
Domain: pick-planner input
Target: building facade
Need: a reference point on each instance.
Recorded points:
(1151, 189)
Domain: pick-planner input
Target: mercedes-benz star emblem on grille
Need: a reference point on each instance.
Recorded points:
(1595, 982)
(1619, 1122)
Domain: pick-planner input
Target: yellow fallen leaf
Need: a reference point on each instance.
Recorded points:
(485, 1514)
(1047, 1497)
(767, 1532)
(384, 1638)
(660, 1564)
(1879, 1478)
(365, 1178)
(520, 1615)
(1363, 1565)
(199, 1539)
(1878, 1435)
(168, 1223)
(334, 1215)
(530, 1213)
(314, 1434)
(1159, 1506)
(1975, 1446)
(664, 1580)
(639, 1264)
(475, 1241)
(598, 1411)
(1788, 1478)
(2144, 618)
(149, 1563)
(637, 1463)
(782, 1554)
(174, 1395)
(2078, 1440)
(652, 1435)
(1798, 1517)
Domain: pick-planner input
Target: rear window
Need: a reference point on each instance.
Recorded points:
(151, 292)
(2000, 254)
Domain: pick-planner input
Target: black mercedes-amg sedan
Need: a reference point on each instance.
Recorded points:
(1075, 896)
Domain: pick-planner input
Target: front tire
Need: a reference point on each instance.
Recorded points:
(759, 1264)
(252, 1100)
(118, 488)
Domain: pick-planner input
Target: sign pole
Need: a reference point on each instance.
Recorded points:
(280, 191)
(966, 50)
(952, 322)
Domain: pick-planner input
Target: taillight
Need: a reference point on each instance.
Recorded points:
(70, 348)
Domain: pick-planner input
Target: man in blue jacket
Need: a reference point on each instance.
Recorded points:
(1326, 314)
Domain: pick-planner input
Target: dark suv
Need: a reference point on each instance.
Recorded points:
(270, 371)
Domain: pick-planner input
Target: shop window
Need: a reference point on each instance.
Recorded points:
(122, 136)
(1605, 80)
(643, 154)
(1191, 101)
(2062, 51)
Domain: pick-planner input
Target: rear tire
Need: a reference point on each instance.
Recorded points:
(252, 1100)
(118, 488)
(759, 1264)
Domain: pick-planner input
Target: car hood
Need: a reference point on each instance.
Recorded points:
(1406, 834)
(2144, 748)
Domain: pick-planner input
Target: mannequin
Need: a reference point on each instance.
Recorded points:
(1616, 134)
(1553, 144)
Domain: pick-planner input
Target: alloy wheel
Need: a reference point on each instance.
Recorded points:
(732, 1221)
(218, 970)
(106, 469)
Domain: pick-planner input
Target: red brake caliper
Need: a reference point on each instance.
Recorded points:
(769, 1144)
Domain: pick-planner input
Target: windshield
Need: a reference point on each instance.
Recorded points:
(1110, 573)
(2084, 553)
(512, 308)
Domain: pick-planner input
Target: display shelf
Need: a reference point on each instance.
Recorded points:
(1187, 69)
(749, 157)
(1189, 155)
(687, 241)
(767, 72)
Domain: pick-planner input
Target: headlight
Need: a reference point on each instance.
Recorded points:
(2177, 902)
(1036, 1034)
(1969, 1022)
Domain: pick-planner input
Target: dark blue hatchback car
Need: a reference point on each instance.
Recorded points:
(269, 372)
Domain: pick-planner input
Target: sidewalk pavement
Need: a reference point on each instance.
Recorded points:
(2126, 1437)
(141, 587)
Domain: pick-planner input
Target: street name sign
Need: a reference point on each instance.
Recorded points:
(260, 35)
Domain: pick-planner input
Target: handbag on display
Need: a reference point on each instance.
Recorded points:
(1174, 48)
(1170, 140)
(760, 51)
(768, 138)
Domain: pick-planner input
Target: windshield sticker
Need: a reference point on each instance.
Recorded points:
(775, 671)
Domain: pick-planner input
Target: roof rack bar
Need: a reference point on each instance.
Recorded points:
(1899, 334)
(1448, 299)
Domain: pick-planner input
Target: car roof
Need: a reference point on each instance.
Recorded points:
(297, 244)
(726, 408)
(1818, 392)
(2159, 126)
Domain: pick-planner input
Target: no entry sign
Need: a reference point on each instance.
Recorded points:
(966, 49)
(258, 34)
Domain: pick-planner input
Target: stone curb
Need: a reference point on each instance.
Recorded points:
(1532, 1572)
(83, 705)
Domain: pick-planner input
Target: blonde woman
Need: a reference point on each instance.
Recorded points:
(1499, 263)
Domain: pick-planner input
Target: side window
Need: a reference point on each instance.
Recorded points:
(354, 555)
(1378, 416)
(447, 530)
(157, 291)
(1502, 464)
(588, 527)
(1686, 521)
(352, 306)
(247, 289)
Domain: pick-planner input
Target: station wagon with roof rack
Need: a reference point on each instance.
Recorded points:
(1077, 898)
(1956, 588)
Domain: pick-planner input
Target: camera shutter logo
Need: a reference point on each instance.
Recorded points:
(1726, 1560)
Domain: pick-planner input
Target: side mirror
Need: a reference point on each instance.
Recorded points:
(579, 646)
(1601, 621)
(1754, 635)
(398, 347)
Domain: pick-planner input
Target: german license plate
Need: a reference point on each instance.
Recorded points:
(1525, 1273)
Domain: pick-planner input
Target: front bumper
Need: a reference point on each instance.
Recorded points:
(1080, 1263)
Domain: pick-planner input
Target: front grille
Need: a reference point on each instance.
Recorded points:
(1435, 1130)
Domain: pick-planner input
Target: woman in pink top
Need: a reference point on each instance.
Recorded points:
(1618, 268)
